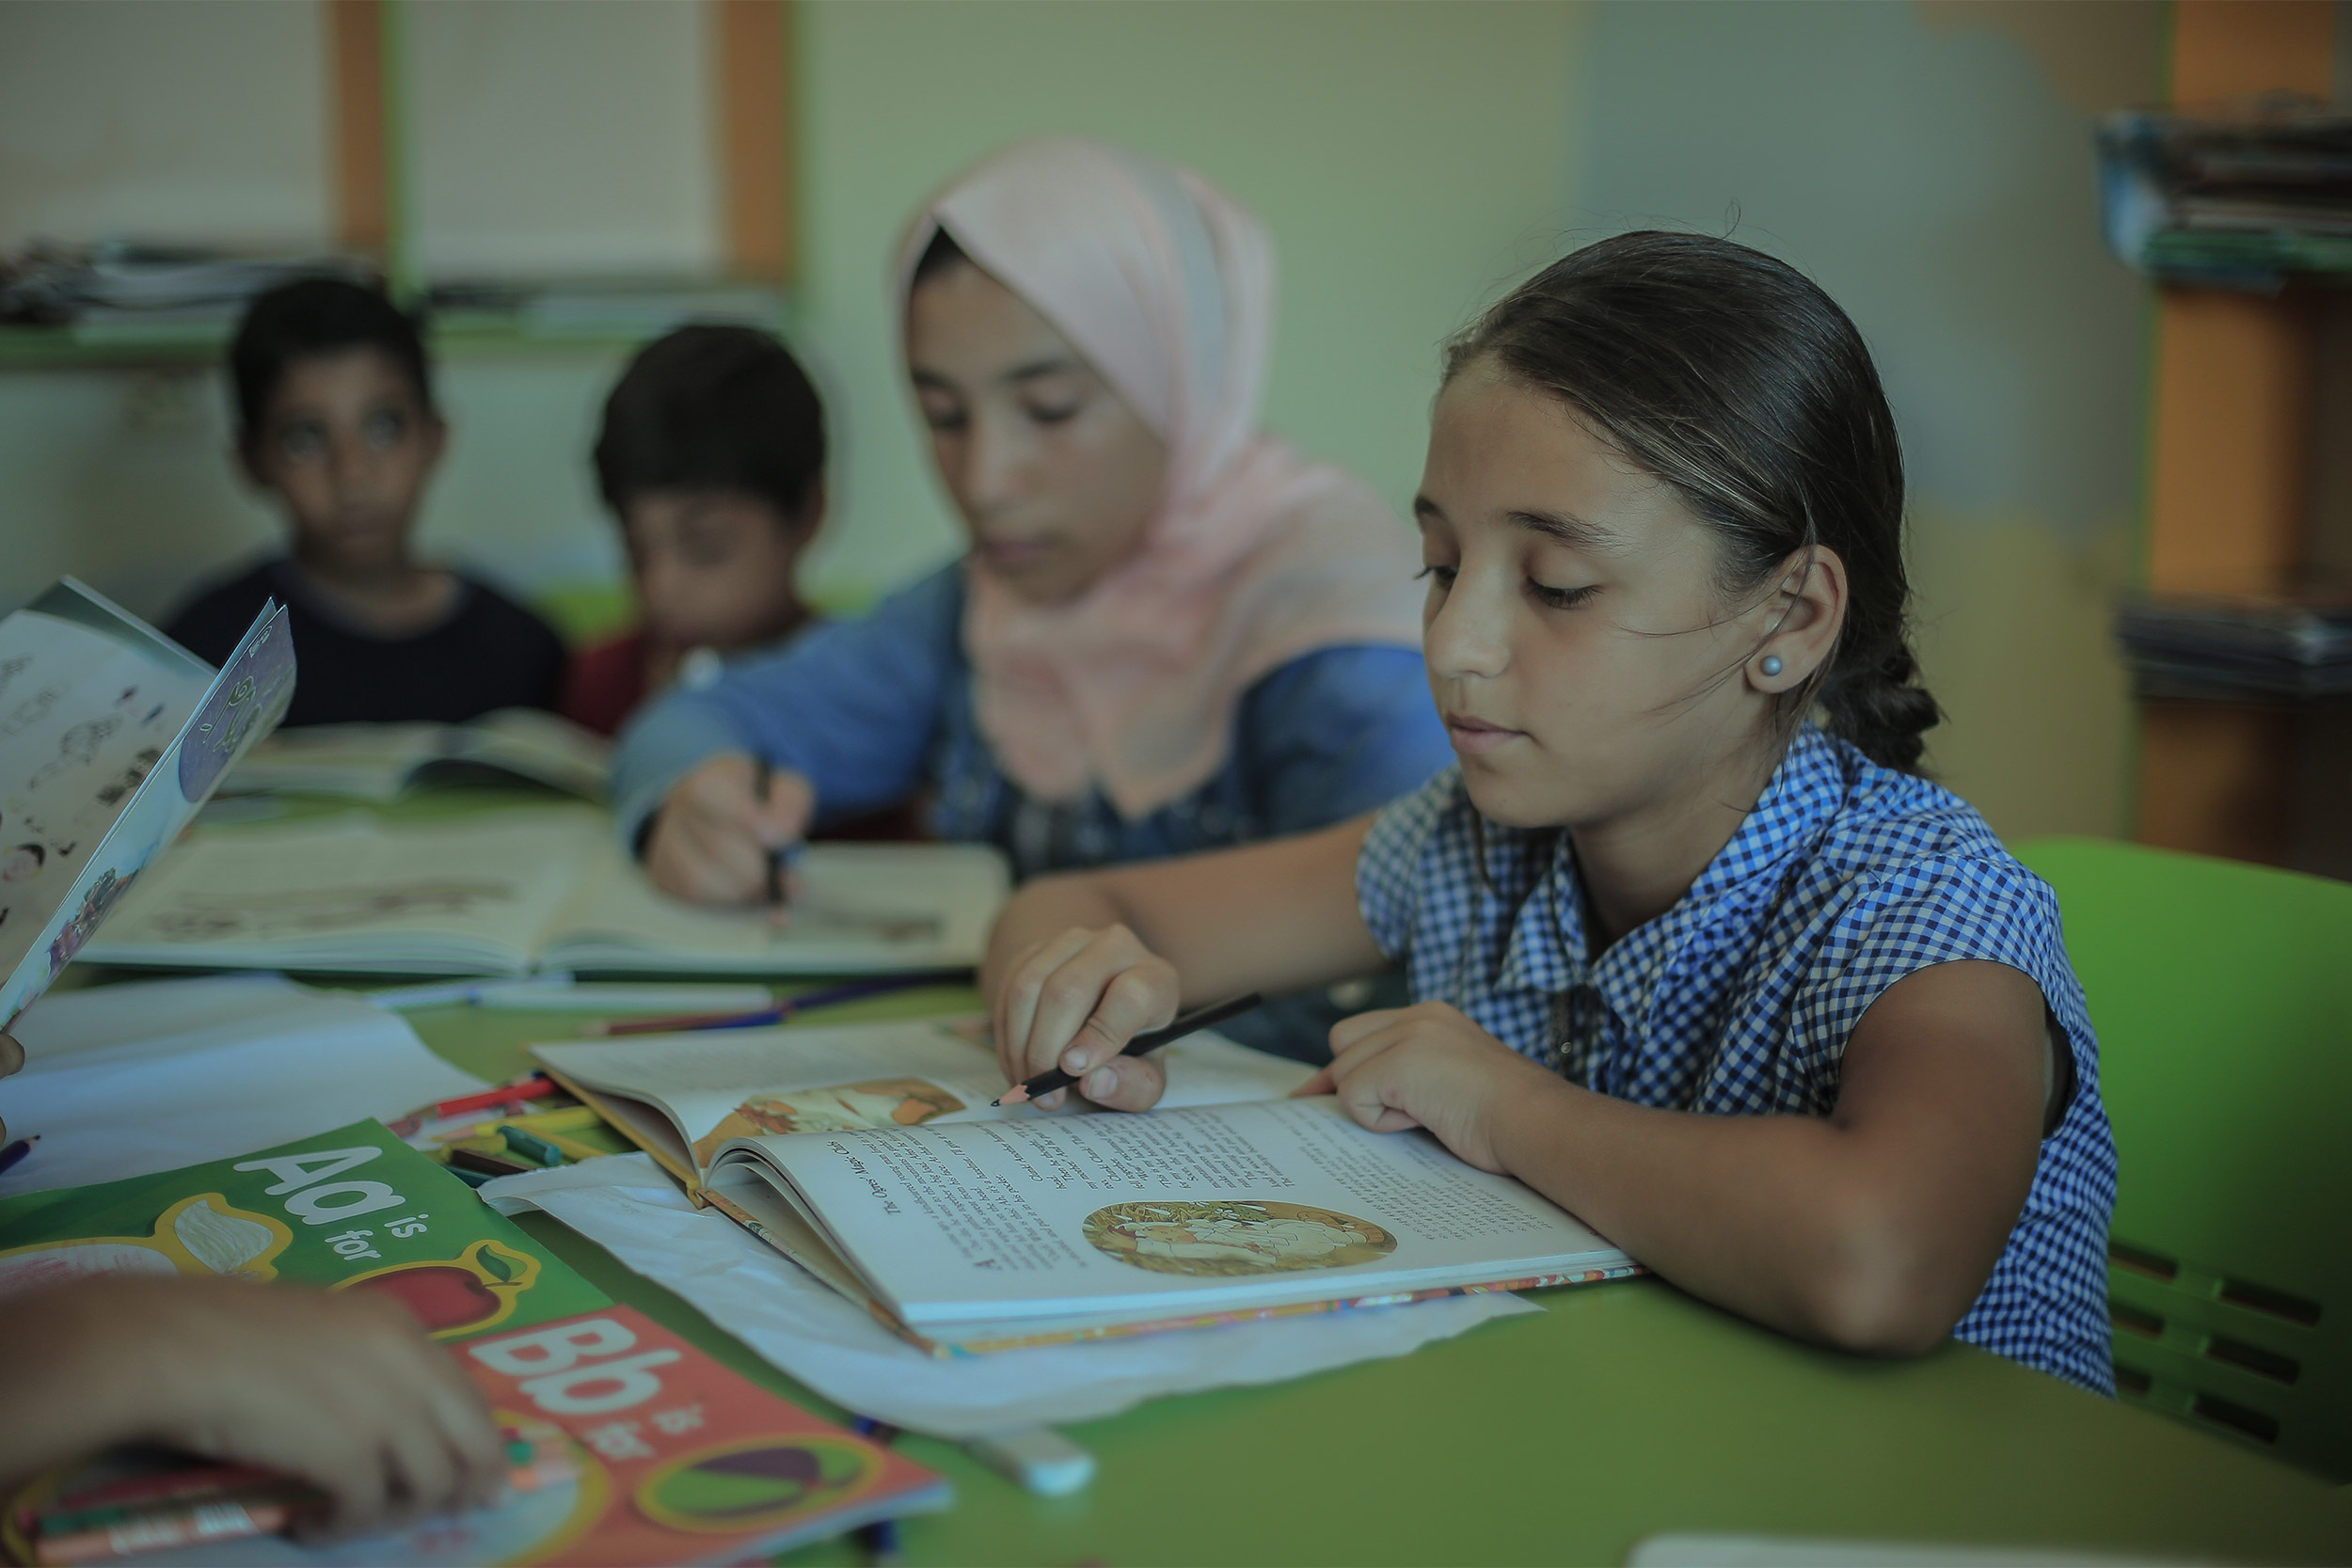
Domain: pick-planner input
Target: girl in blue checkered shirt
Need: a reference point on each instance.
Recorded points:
(1694, 950)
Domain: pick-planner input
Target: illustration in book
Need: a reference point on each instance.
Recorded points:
(833, 1108)
(1225, 1237)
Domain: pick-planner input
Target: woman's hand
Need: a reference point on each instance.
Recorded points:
(1071, 1001)
(712, 837)
(1427, 1065)
(341, 1389)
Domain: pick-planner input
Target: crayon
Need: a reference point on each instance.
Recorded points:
(462, 1160)
(530, 1145)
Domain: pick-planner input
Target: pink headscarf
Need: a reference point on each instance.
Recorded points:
(1256, 555)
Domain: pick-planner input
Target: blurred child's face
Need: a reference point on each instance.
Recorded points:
(347, 443)
(714, 569)
(1584, 655)
(1055, 477)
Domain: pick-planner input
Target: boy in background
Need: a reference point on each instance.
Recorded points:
(712, 458)
(336, 422)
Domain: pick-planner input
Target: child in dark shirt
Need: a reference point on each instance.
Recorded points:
(712, 458)
(336, 421)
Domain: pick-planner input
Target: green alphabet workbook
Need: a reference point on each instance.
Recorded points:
(661, 1455)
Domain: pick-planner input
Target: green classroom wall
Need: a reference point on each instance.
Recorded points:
(1408, 156)
(1930, 165)
(1929, 162)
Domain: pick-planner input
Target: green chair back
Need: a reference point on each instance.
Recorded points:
(2222, 994)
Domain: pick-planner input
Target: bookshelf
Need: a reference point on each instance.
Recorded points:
(2243, 495)
(373, 171)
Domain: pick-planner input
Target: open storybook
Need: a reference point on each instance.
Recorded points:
(543, 887)
(383, 762)
(870, 1156)
(111, 737)
(681, 1096)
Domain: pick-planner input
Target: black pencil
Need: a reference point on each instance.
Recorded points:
(1150, 1039)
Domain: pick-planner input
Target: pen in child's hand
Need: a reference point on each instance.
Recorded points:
(764, 775)
(16, 1151)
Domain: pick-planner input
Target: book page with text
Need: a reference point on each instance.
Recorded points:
(1197, 1210)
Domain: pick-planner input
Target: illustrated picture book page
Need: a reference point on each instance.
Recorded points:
(682, 1096)
(383, 762)
(112, 737)
(510, 891)
(997, 1233)
(650, 1453)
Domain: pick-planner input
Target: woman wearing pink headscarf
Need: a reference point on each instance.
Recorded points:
(1172, 632)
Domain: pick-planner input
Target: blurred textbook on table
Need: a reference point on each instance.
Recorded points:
(383, 762)
(510, 892)
(111, 736)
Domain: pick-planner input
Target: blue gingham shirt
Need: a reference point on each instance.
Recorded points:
(1738, 1000)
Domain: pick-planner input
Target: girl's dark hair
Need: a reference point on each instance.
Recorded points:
(315, 316)
(1736, 380)
(713, 408)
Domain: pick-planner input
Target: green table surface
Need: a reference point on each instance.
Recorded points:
(1622, 1411)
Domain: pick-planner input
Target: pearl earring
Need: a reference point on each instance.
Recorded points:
(1770, 664)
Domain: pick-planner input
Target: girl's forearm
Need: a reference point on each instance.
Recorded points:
(1273, 917)
(1784, 1219)
(1044, 908)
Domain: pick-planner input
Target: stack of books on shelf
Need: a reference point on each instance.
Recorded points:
(120, 288)
(2245, 648)
(2241, 196)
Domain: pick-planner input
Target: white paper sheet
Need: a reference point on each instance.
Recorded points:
(1789, 1551)
(624, 1204)
(128, 1080)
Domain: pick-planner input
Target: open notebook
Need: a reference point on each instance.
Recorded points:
(507, 892)
(681, 1096)
(383, 762)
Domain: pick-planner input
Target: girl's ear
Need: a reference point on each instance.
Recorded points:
(1804, 613)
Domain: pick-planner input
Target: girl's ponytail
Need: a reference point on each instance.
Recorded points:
(1734, 378)
(1882, 708)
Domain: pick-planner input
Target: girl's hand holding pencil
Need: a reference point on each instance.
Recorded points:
(1073, 1002)
(718, 837)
